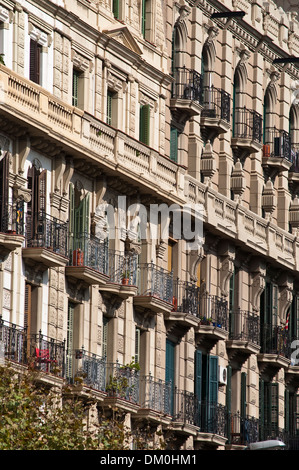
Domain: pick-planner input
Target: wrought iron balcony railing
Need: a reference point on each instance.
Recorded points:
(12, 218)
(155, 395)
(187, 84)
(122, 268)
(242, 430)
(214, 311)
(46, 354)
(212, 418)
(185, 407)
(155, 281)
(123, 381)
(13, 341)
(88, 369)
(87, 250)
(45, 231)
(216, 103)
(244, 325)
(277, 144)
(247, 124)
(186, 297)
(275, 340)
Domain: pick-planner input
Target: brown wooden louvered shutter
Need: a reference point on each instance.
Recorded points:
(35, 61)
(27, 308)
(31, 204)
(4, 188)
(42, 186)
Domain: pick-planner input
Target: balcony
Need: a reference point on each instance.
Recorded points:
(215, 114)
(277, 153)
(294, 170)
(155, 400)
(185, 409)
(213, 324)
(275, 349)
(122, 387)
(36, 350)
(242, 431)
(122, 272)
(11, 228)
(186, 307)
(46, 354)
(244, 334)
(88, 260)
(186, 100)
(45, 241)
(13, 342)
(212, 421)
(51, 121)
(88, 371)
(247, 132)
(155, 289)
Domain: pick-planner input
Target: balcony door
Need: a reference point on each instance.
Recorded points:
(36, 207)
(170, 373)
(79, 219)
(268, 316)
(206, 389)
(4, 192)
(268, 408)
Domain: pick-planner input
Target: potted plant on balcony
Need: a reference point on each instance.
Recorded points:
(126, 277)
(205, 321)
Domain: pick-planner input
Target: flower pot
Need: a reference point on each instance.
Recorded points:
(125, 281)
(78, 258)
(266, 151)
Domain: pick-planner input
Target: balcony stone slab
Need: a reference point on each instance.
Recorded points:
(9, 242)
(45, 257)
(86, 274)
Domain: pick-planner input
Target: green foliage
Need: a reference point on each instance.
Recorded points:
(35, 416)
(1, 59)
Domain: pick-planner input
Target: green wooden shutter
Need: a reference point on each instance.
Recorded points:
(262, 408)
(228, 397)
(213, 379)
(243, 406)
(143, 17)
(75, 87)
(70, 340)
(115, 9)
(104, 336)
(137, 345)
(4, 192)
(273, 418)
(287, 410)
(109, 107)
(198, 375)
(144, 127)
(274, 304)
(174, 144)
(169, 369)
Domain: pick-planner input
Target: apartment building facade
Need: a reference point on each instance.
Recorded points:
(111, 108)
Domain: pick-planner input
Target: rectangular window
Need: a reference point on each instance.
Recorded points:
(268, 407)
(243, 407)
(35, 62)
(144, 126)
